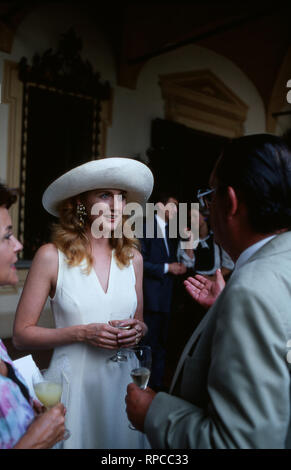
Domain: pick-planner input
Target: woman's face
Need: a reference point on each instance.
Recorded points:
(9, 247)
(197, 220)
(105, 206)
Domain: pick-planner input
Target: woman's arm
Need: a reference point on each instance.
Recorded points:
(139, 328)
(138, 269)
(41, 282)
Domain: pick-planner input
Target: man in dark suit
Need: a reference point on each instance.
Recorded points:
(160, 267)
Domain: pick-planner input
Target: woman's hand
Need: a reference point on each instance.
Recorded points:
(38, 407)
(129, 337)
(203, 290)
(45, 431)
(101, 335)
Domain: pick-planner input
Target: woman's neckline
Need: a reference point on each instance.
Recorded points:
(109, 276)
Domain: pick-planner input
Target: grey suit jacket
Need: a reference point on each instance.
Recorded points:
(234, 377)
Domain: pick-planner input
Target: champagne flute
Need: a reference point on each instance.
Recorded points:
(141, 363)
(48, 387)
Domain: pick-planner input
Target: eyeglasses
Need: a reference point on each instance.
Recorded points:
(204, 197)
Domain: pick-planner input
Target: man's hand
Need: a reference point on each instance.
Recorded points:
(177, 268)
(137, 404)
(203, 290)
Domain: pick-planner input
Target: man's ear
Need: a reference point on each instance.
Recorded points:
(232, 201)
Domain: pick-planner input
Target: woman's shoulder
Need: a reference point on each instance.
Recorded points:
(49, 250)
(136, 255)
(47, 255)
(137, 259)
(45, 263)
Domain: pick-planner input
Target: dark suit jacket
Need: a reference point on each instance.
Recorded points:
(157, 286)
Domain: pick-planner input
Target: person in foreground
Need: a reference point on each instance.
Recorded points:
(231, 388)
(22, 423)
(94, 280)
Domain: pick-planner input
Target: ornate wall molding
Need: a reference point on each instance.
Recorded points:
(12, 94)
(201, 101)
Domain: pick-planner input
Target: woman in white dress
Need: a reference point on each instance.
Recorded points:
(94, 282)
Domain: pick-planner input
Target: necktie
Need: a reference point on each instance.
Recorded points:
(167, 238)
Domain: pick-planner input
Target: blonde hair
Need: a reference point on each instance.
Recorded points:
(71, 238)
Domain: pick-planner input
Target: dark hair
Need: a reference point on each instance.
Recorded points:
(287, 137)
(162, 196)
(7, 196)
(259, 168)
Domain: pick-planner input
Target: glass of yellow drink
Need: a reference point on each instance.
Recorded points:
(48, 387)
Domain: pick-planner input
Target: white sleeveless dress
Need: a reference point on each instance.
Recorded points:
(95, 398)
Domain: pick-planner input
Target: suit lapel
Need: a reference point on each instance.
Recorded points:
(189, 345)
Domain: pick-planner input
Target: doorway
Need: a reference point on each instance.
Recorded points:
(181, 158)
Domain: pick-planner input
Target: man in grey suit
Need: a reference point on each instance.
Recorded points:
(231, 388)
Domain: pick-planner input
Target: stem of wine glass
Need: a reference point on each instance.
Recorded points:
(119, 355)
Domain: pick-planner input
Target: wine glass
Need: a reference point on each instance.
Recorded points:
(141, 363)
(48, 387)
(120, 355)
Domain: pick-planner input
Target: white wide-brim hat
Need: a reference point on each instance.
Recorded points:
(125, 174)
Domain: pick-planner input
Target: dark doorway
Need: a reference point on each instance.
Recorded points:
(60, 136)
(182, 158)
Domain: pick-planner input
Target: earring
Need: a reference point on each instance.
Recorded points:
(81, 214)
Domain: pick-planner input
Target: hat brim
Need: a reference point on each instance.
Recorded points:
(125, 174)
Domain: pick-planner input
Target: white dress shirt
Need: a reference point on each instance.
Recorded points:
(162, 224)
(250, 251)
(221, 258)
